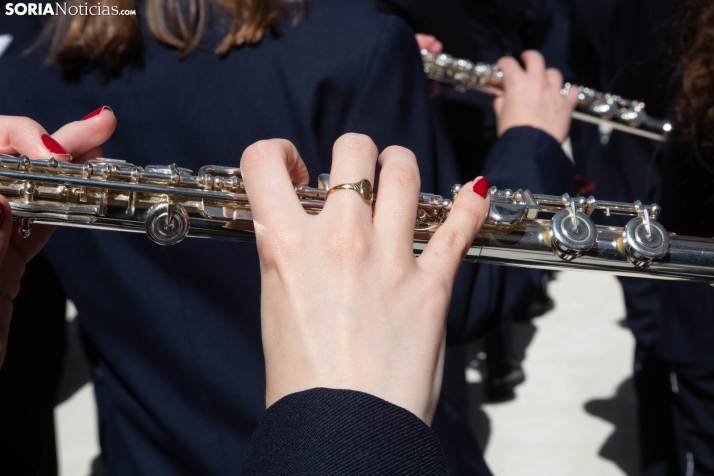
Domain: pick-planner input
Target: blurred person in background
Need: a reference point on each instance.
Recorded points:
(659, 52)
(484, 31)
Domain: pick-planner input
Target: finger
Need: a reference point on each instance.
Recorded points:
(429, 43)
(573, 97)
(21, 135)
(437, 47)
(534, 62)
(511, 70)
(91, 154)
(269, 169)
(396, 208)
(497, 103)
(27, 248)
(443, 254)
(6, 295)
(81, 136)
(554, 78)
(354, 157)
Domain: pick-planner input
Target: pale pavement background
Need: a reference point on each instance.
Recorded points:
(575, 414)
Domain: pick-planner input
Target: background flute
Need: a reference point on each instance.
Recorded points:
(169, 203)
(593, 106)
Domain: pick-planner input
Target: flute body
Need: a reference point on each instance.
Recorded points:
(169, 203)
(593, 106)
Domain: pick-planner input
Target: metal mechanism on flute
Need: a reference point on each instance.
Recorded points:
(593, 106)
(169, 203)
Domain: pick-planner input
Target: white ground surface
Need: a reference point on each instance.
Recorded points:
(77, 441)
(573, 415)
(575, 412)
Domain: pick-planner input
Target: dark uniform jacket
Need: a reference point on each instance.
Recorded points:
(640, 63)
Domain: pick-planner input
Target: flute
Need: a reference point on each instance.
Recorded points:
(170, 203)
(593, 106)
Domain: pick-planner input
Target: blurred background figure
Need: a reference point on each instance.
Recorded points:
(484, 31)
(665, 61)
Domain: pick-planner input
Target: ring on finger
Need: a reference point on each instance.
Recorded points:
(363, 187)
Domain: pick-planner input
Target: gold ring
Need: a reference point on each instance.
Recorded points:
(363, 187)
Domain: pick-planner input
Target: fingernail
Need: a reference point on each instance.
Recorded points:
(53, 146)
(481, 186)
(96, 113)
(2, 212)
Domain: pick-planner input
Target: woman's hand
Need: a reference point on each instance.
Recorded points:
(532, 97)
(345, 304)
(429, 43)
(20, 135)
(433, 46)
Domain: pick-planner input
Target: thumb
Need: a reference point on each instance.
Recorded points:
(80, 137)
(497, 103)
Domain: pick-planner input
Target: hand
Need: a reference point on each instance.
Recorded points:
(533, 97)
(345, 304)
(429, 43)
(20, 135)
(433, 46)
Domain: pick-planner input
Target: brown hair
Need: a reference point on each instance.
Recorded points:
(694, 104)
(108, 40)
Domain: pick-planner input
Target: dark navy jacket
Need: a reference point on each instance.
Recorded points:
(328, 431)
(640, 63)
(180, 374)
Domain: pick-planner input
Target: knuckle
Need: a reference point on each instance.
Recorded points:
(346, 243)
(356, 142)
(275, 249)
(28, 126)
(24, 122)
(400, 152)
(456, 240)
(554, 74)
(402, 175)
(256, 152)
(474, 210)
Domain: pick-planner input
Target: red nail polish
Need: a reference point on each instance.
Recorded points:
(53, 146)
(96, 113)
(481, 186)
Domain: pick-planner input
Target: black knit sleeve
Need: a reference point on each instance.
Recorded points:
(328, 431)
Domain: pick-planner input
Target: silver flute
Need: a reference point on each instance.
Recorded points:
(169, 203)
(593, 106)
